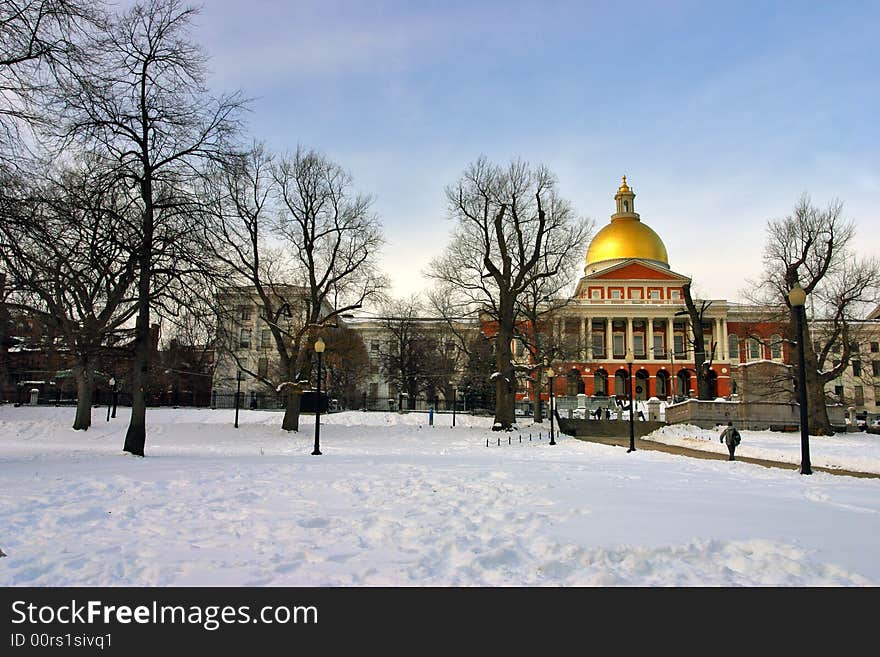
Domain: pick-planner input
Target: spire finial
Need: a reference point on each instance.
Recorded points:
(623, 186)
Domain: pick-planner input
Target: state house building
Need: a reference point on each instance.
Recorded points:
(630, 298)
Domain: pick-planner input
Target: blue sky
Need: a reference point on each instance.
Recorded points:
(720, 114)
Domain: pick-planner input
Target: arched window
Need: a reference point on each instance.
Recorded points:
(626, 206)
(600, 383)
(733, 346)
(574, 383)
(621, 384)
(776, 347)
(756, 351)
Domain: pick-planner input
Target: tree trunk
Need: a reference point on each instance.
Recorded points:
(136, 436)
(538, 415)
(504, 383)
(291, 410)
(817, 413)
(84, 385)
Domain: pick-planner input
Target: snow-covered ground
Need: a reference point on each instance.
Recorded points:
(395, 502)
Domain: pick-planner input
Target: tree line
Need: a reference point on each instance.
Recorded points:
(130, 193)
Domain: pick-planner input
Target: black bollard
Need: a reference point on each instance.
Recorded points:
(499, 442)
(487, 442)
(508, 440)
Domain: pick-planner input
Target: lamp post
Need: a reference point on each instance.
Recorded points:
(319, 349)
(797, 298)
(629, 365)
(237, 395)
(550, 375)
(453, 402)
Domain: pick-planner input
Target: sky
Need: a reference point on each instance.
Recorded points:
(393, 501)
(721, 115)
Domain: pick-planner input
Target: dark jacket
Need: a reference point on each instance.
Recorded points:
(730, 436)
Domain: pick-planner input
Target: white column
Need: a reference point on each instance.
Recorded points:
(609, 343)
(670, 335)
(629, 335)
(582, 347)
(649, 339)
(723, 323)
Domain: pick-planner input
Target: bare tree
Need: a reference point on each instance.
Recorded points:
(512, 230)
(40, 40)
(347, 363)
(812, 247)
(324, 266)
(145, 107)
(537, 306)
(335, 239)
(409, 357)
(696, 312)
(62, 244)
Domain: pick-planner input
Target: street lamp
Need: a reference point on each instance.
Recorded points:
(237, 395)
(797, 298)
(550, 375)
(629, 364)
(453, 402)
(319, 349)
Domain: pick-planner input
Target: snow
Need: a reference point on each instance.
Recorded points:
(395, 502)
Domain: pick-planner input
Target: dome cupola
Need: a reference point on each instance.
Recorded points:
(625, 237)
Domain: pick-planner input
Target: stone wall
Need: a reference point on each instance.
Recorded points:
(607, 428)
(755, 415)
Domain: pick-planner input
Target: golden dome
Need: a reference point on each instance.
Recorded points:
(626, 236)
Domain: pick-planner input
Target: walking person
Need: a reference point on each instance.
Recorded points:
(731, 436)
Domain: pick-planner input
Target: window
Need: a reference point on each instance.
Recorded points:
(615, 294)
(876, 395)
(857, 368)
(775, 346)
(859, 395)
(265, 338)
(639, 345)
(854, 347)
(244, 313)
(678, 345)
(755, 349)
(244, 339)
(838, 390)
(595, 294)
(598, 345)
(618, 344)
(733, 347)
(654, 294)
(875, 367)
(374, 391)
(674, 294)
(374, 347)
(875, 347)
(626, 206)
(263, 367)
(635, 294)
(659, 348)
